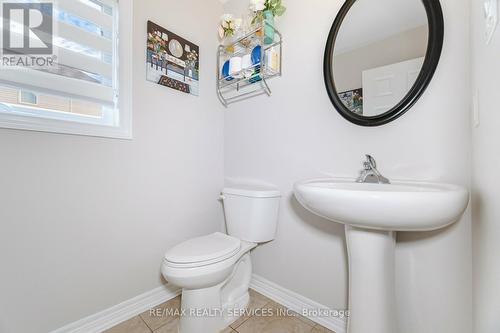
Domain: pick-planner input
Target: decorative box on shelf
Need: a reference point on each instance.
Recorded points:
(245, 65)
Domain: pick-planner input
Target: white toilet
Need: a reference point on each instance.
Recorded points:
(214, 271)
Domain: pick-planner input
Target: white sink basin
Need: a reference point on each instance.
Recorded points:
(400, 206)
(372, 213)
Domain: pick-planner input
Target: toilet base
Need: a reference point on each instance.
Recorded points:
(235, 310)
(201, 310)
(210, 310)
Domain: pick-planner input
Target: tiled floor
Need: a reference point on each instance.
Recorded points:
(279, 322)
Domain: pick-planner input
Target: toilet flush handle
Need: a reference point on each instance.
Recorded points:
(222, 197)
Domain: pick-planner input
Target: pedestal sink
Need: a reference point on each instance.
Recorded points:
(372, 214)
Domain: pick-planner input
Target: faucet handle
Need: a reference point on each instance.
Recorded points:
(371, 161)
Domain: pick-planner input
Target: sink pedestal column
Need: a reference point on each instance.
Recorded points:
(371, 280)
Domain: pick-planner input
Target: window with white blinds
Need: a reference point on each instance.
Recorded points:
(81, 87)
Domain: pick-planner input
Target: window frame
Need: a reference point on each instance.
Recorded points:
(76, 124)
(20, 98)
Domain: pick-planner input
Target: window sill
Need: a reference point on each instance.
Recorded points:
(11, 121)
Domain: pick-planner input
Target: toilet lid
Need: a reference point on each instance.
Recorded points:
(199, 250)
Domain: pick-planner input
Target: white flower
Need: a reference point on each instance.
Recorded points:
(237, 24)
(227, 21)
(229, 25)
(257, 5)
(226, 18)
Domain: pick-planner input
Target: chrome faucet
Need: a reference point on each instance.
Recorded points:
(370, 174)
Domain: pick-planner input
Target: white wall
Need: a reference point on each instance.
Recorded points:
(297, 134)
(84, 222)
(486, 199)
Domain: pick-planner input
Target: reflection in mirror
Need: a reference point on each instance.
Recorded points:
(378, 54)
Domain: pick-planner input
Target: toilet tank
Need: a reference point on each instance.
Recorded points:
(251, 212)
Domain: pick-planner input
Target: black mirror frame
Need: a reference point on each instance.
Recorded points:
(433, 54)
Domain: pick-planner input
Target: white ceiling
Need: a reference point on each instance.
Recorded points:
(371, 20)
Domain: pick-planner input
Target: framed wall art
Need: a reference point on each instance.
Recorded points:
(172, 61)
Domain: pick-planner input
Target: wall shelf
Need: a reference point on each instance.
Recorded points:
(253, 80)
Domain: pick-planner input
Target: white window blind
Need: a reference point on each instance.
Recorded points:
(84, 44)
(82, 85)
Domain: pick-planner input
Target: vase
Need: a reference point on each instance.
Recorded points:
(268, 27)
(228, 42)
(258, 22)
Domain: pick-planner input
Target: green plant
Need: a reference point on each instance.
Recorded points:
(274, 6)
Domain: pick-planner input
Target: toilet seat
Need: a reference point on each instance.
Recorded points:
(202, 251)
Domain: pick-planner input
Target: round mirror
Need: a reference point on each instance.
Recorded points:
(380, 57)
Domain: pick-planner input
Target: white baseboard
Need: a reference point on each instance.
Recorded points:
(119, 313)
(297, 303)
